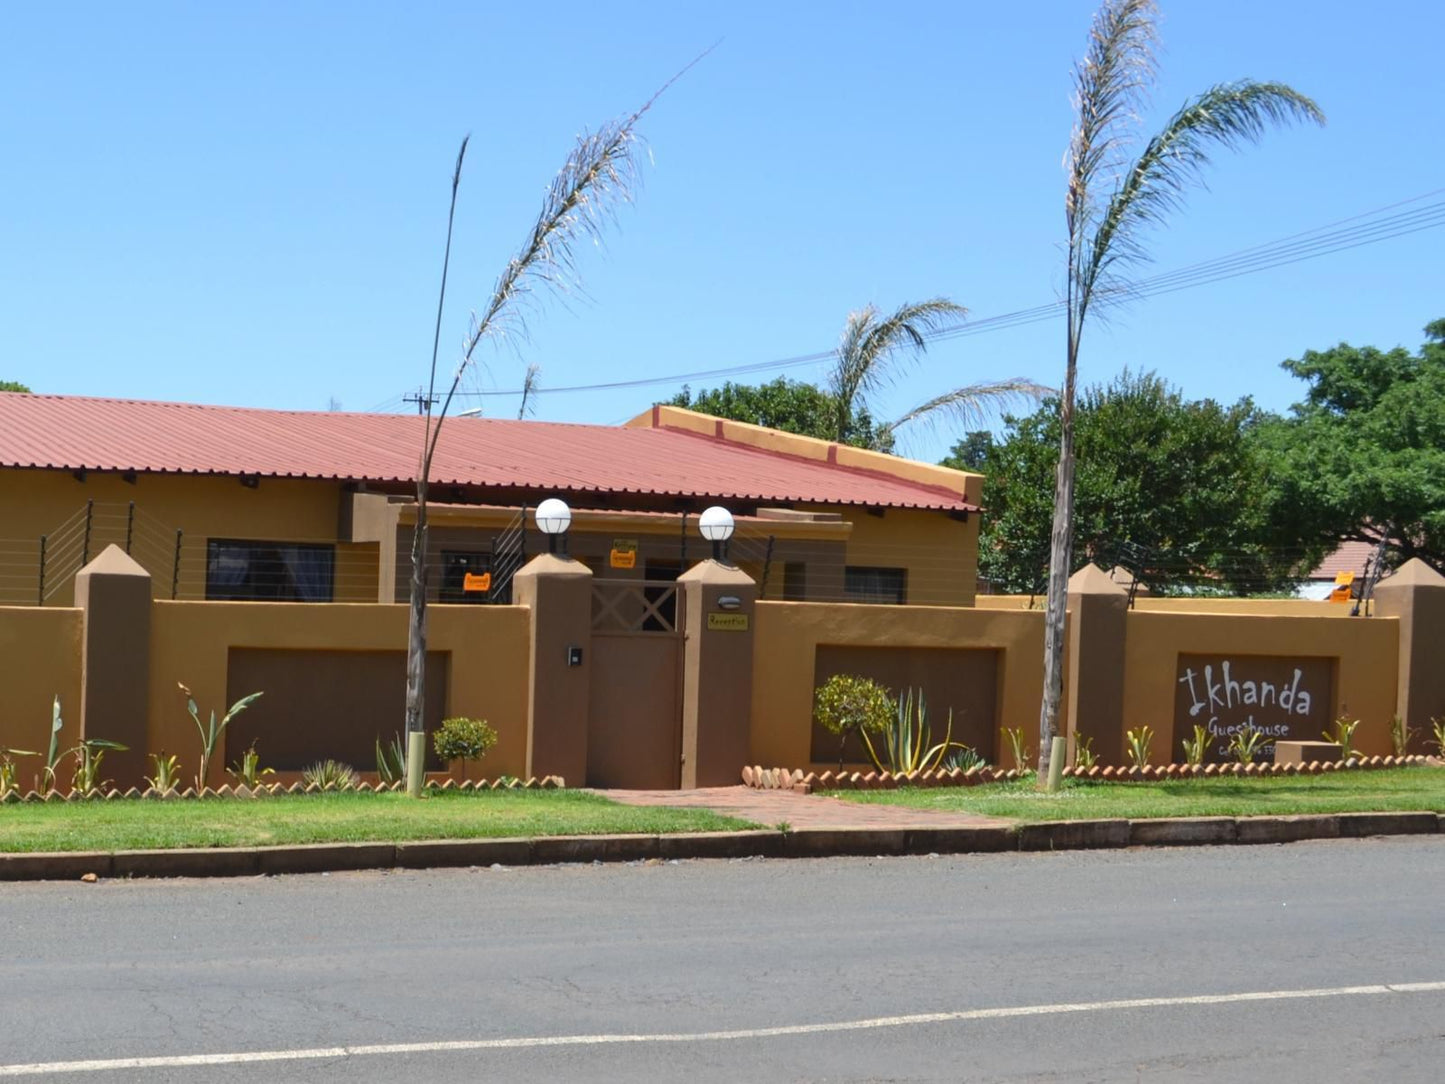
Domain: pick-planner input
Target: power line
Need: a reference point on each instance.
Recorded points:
(1294, 248)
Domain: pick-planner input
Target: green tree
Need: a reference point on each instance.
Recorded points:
(791, 406)
(1364, 454)
(970, 452)
(1180, 479)
(13, 385)
(1108, 211)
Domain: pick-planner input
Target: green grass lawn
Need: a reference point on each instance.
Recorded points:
(334, 818)
(1394, 789)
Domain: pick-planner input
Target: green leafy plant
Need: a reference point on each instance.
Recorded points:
(53, 751)
(463, 739)
(9, 776)
(1084, 756)
(1344, 736)
(846, 703)
(1138, 742)
(1018, 748)
(167, 773)
(964, 757)
(211, 734)
(1244, 743)
(908, 739)
(1400, 735)
(1196, 749)
(329, 775)
(88, 754)
(1438, 725)
(391, 760)
(248, 771)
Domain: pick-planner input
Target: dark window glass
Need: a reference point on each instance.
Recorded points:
(243, 571)
(886, 585)
(661, 570)
(795, 581)
(457, 565)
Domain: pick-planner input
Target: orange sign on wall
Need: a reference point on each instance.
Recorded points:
(624, 553)
(472, 583)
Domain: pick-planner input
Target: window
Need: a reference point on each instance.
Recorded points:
(658, 571)
(244, 571)
(887, 585)
(461, 570)
(795, 581)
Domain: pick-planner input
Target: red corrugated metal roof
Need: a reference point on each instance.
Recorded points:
(80, 433)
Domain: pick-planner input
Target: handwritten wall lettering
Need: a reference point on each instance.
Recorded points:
(1281, 697)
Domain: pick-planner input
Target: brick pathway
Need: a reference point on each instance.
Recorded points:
(768, 807)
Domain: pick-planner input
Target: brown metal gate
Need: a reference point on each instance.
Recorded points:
(634, 719)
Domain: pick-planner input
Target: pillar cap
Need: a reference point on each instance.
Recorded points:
(1413, 573)
(711, 571)
(1093, 580)
(554, 564)
(113, 561)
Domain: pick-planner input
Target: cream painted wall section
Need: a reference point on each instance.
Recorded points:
(940, 553)
(40, 655)
(785, 648)
(40, 502)
(1366, 654)
(487, 673)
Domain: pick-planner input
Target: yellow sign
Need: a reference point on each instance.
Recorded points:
(479, 584)
(728, 622)
(624, 553)
(1343, 582)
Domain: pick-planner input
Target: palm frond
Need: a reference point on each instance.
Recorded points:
(1228, 115)
(869, 345)
(529, 387)
(1111, 83)
(972, 405)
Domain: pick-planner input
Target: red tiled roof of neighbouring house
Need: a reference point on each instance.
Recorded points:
(1350, 557)
(81, 433)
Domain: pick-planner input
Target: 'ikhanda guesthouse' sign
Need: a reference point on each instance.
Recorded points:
(1283, 698)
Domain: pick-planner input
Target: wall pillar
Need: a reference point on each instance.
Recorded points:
(1094, 670)
(115, 594)
(715, 614)
(558, 590)
(1415, 596)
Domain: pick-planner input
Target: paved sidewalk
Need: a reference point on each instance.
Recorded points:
(769, 807)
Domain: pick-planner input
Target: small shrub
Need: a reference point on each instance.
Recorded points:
(167, 773)
(464, 739)
(1344, 736)
(9, 775)
(1400, 735)
(1018, 748)
(846, 703)
(88, 755)
(1196, 749)
(1138, 742)
(329, 775)
(1438, 725)
(1084, 756)
(1245, 743)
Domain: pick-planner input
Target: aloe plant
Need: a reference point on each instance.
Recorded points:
(9, 779)
(908, 740)
(1084, 755)
(88, 755)
(167, 772)
(1195, 750)
(1138, 742)
(1400, 735)
(1017, 746)
(1245, 743)
(1344, 736)
(1438, 725)
(211, 734)
(329, 775)
(248, 771)
(391, 760)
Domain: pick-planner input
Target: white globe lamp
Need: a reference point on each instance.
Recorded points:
(553, 519)
(716, 525)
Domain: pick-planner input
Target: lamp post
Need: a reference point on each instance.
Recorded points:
(716, 525)
(553, 519)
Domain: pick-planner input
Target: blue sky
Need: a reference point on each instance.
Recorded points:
(245, 204)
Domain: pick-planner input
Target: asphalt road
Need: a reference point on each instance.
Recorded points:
(505, 962)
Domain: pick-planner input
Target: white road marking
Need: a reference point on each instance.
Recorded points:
(326, 1052)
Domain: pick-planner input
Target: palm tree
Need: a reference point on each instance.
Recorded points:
(599, 173)
(1107, 211)
(867, 359)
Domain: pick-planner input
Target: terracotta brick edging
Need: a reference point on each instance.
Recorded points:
(799, 843)
(268, 790)
(794, 779)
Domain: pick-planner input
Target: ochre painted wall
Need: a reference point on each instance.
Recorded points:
(1365, 671)
(487, 670)
(39, 502)
(1253, 607)
(939, 552)
(39, 659)
(786, 645)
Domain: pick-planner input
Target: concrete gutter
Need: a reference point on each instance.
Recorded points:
(800, 843)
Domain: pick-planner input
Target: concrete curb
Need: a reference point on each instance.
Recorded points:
(800, 843)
